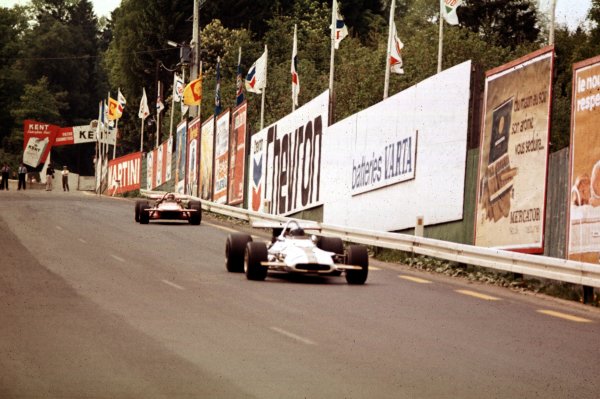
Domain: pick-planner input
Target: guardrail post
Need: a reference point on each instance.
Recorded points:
(588, 294)
(419, 228)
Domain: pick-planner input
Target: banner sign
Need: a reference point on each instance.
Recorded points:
(237, 155)
(293, 158)
(180, 160)
(124, 173)
(257, 171)
(389, 160)
(584, 209)
(169, 158)
(75, 135)
(206, 159)
(150, 160)
(514, 154)
(402, 158)
(38, 139)
(221, 157)
(192, 163)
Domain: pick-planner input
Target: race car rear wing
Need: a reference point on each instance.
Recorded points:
(306, 225)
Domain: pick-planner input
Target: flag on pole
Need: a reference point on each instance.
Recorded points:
(294, 70)
(144, 110)
(178, 87)
(159, 103)
(239, 95)
(218, 88)
(257, 75)
(122, 101)
(448, 8)
(192, 94)
(340, 29)
(396, 64)
(113, 109)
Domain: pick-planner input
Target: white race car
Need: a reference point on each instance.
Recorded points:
(292, 251)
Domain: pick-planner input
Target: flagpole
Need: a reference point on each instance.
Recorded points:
(173, 103)
(142, 137)
(441, 41)
(158, 114)
(552, 21)
(262, 103)
(332, 59)
(116, 137)
(389, 46)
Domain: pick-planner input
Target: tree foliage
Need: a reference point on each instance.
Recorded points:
(57, 52)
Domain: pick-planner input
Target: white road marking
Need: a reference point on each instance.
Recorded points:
(478, 295)
(415, 279)
(118, 258)
(293, 336)
(82, 240)
(59, 228)
(221, 227)
(564, 316)
(375, 268)
(173, 285)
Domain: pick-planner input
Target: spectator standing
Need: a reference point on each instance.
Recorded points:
(65, 178)
(5, 174)
(49, 177)
(22, 172)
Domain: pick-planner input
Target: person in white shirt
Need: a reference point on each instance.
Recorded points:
(65, 178)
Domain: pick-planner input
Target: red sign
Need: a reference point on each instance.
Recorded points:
(124, 173)
(38, 139)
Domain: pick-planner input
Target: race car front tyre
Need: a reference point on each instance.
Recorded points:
(196, 217)
(357, 256)
(144, 214)
(256, 252)
(235, 248)
(138, 206)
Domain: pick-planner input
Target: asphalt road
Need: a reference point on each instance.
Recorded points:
(94, 305)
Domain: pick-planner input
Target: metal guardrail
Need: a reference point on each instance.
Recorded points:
(569, 271)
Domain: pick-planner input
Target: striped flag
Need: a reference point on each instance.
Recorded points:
(294, 70)
(396, 64)
(239, 95)
(256, 80)
(340, 29)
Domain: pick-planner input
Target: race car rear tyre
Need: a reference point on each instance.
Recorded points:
(144, 214)
(196, 217)
(332, 244)
(357, 256)
(138, 206)
(235, 249)
(256, 252)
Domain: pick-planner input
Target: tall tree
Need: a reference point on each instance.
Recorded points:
(506, 23)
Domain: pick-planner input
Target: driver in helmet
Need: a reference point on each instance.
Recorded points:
(297, 231)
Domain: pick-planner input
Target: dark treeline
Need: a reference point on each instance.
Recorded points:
(58, 59)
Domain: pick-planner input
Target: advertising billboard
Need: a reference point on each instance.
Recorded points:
(583, 228)
(180, 159)
(401, 158)
(124, 173)
(192, 162)
(292, 158)
(207, 136)
(237, 155)
(221, 157)
(511, 195)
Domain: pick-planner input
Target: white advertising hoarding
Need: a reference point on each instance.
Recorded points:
(401, 158)
(292, 151)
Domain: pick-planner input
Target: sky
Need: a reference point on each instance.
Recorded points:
(570, 12)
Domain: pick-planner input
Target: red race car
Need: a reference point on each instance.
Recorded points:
(170, 206)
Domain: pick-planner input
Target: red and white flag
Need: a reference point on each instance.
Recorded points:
(396, 65)
(294, 70)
